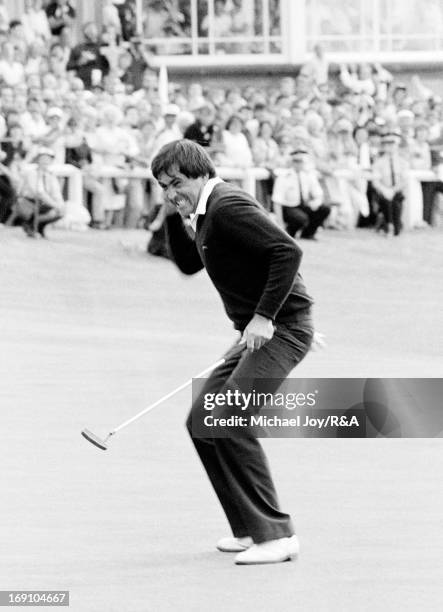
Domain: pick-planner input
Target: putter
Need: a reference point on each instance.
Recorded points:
(103, 444)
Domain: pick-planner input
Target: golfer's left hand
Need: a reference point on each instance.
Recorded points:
(258, 331)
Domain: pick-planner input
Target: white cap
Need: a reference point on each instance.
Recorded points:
(171, 109)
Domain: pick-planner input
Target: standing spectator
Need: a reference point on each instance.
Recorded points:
(236, 148)
(61, 14)
(265, 154)
(318, 66)
(420, 152)
(134, 64)
(389, 181)
(78, 153)
(35, 22)
(86, 57)
(4, 17)
(298, 197)
(112, 145)
(111, 18)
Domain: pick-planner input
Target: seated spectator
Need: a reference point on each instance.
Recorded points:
(33, 123)
(54, 137)
(17, 37)
(196, 99)
(171, 131)
(298, 197)
(12, 72)
(14, 144)
(389, 180)
(61, 15)
(148, 91)
(87, 57)
(36, 60)
(7, 191)
(236, 152)
(42, 193)
(202, 130)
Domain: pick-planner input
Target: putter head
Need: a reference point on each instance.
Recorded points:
(93, 439)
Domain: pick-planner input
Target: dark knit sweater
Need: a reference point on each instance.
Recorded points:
(252, 263)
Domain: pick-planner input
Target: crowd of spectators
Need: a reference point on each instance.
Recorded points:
(100, 106)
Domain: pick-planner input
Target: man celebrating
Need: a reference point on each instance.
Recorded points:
(253, 264)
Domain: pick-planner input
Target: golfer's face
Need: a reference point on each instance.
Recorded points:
(181, 191)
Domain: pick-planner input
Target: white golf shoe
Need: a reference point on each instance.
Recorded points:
(234, 544)
(273, 551)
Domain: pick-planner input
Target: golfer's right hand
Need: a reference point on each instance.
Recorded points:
(258, 331)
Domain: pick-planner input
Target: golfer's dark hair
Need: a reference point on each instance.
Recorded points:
(187, 156)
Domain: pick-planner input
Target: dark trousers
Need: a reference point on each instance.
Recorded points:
(430, 190)
(390, 211)
(304, 218)
(236, 465)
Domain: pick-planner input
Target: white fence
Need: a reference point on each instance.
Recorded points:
(412, 212)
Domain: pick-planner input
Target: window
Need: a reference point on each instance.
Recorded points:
(375, 25)
(211, 27)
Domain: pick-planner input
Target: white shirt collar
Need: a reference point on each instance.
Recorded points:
(203, 200)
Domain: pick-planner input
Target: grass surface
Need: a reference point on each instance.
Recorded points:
(92, 330)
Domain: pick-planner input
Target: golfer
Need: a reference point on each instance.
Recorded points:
(254, 265)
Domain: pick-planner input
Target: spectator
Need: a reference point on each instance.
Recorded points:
(35, 22)
(420, 152)
(111, 18)
(265, 154)
(201, 131)
(17, 36)
(318, 66)
(236, 152)
(298, 197)
(61, 14)
(42, 190)
(7, 191)
(79, 154)
(86, 58)
(389, 181)
(133, 64)
(149, 87)
(112, 145)
(54, 137)
(171, 131)
(34, 126)
(12, 72)
(4, 17)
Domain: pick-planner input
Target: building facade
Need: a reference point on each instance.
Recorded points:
(277, 32)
